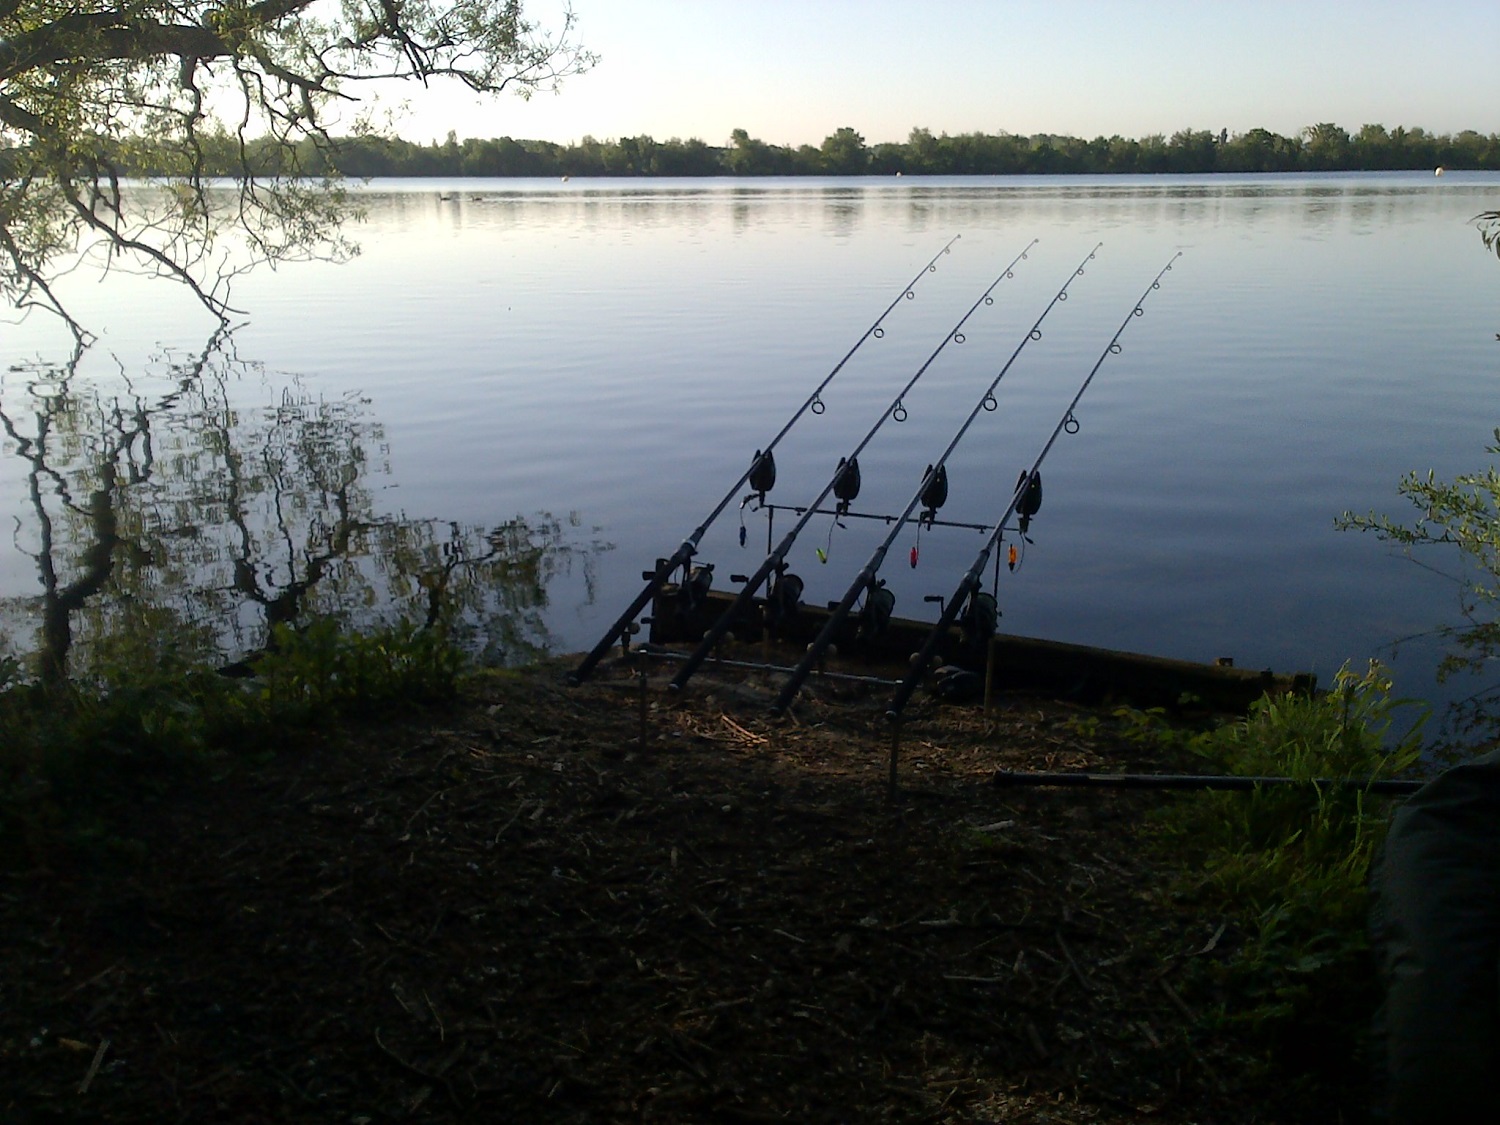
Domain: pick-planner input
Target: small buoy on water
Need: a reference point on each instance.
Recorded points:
(1438, 171)
(565, 179)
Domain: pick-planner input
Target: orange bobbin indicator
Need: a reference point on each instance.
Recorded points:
(1011, 560)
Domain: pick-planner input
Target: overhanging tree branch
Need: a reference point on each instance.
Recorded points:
(97, 86)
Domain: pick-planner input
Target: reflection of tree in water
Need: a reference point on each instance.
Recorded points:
(1488, 223)
(171, 519)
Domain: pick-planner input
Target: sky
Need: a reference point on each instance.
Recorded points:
(794, 71)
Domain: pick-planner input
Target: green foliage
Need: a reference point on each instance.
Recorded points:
(1461, 518)
(318, 672)
(10, 672)
(64, 747)
(1488, 223)
(94, 89)
(1277, 854)
(844, 152)
(1289, 864)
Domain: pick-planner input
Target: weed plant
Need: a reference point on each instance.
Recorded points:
(1289, 866)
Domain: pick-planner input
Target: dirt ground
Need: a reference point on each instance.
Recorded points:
(516, 910)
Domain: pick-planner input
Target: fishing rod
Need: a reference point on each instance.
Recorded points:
(1030, 480)
(762, 474)
(1383, 786)
(843, 483)
(933, 488)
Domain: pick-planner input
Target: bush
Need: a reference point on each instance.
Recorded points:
(67, 750)
(1460, 521)
(1289, 866)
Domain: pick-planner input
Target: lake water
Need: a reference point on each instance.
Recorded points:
(523, 392)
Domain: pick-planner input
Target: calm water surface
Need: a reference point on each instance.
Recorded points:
(522, 392)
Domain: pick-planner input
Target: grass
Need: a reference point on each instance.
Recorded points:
(67, 750)
(1289, 866)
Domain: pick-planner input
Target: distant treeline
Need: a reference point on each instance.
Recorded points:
(1318, 148)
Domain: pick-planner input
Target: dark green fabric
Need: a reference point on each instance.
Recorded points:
(1435, 929)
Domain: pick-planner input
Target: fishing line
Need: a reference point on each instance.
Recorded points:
(763, 463)
(845, 483)
(969, 585)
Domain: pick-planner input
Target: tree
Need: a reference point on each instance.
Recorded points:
(1260, 150)
(923, 153)
(1372, 145)
(1192, 150)
(1327, 147)
(845, 154)
(1461, 515)
(90, 87)
(747, 156)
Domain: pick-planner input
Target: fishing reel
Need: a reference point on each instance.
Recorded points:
(784, 599)
(979, 622)
(692, 591)
(875, 617)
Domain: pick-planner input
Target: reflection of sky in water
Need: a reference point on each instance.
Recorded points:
(619, 349)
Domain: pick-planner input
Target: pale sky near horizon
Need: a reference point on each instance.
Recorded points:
(794, 71)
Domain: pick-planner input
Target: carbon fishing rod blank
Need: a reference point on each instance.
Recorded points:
(1383, 786)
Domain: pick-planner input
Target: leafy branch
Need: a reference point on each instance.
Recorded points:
(85, 87)
(1461, 516)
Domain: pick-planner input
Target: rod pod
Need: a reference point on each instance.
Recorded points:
(971, 580)
(689, 546)
(866, 578)
(716, 632)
